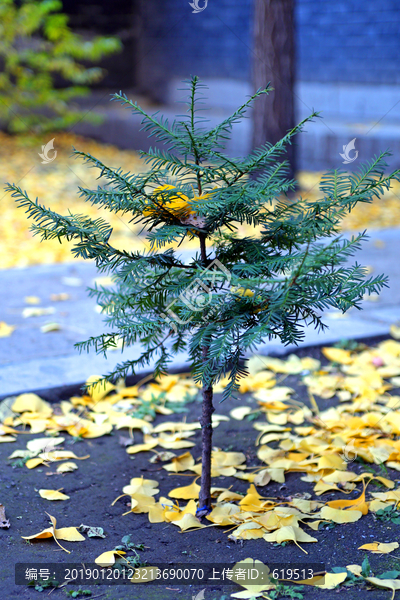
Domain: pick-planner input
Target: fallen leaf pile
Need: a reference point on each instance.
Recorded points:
(96, 414)
(290, 437)
(56, 185)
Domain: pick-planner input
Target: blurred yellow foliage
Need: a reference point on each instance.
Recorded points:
(56, 185)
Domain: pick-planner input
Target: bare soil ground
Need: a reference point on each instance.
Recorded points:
(100, 480)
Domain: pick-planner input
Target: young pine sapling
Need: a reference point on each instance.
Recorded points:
(244, 285)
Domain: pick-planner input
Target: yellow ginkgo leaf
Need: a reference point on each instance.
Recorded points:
(6, 330)
(144, 574)
(338, 355)
(187, 492)
(142, 447)
(32, 300)
(180, 463)
(395, 332)
(389, 584)
(337, 515)
(48, 327)
(141, 503)
(70, 534)
(326, 582)
(188, 521)
(275, 394)
(7, 438)
(240, 412)
(132, 423)
(176, 444)
(61, 455)
(380, 547)
(251, 590)
(248, 531)
(262, 478)
(107, 559)
(53, 495)
(138, 485)
(67, 467)
(32, 403)
(222, 514)
(355, 569)
(98, 391)
(34, 462)
(174, 513)
(355, 504)
(228, 496)
(289, 533)
(40, 444)
(93, 430)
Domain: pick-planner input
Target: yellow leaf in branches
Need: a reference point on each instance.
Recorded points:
(260, 380)
(53, 495)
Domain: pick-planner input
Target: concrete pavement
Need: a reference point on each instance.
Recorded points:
(31, 359)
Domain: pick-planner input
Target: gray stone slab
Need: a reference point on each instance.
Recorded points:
(31, 359)
(369, 113)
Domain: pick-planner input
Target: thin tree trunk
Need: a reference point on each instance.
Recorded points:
(206, 425)
(274, 62)
(206, 438)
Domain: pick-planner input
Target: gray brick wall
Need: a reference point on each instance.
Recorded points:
(353, 41)
(174, 42)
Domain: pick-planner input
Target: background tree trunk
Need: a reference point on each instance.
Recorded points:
(273, 115)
